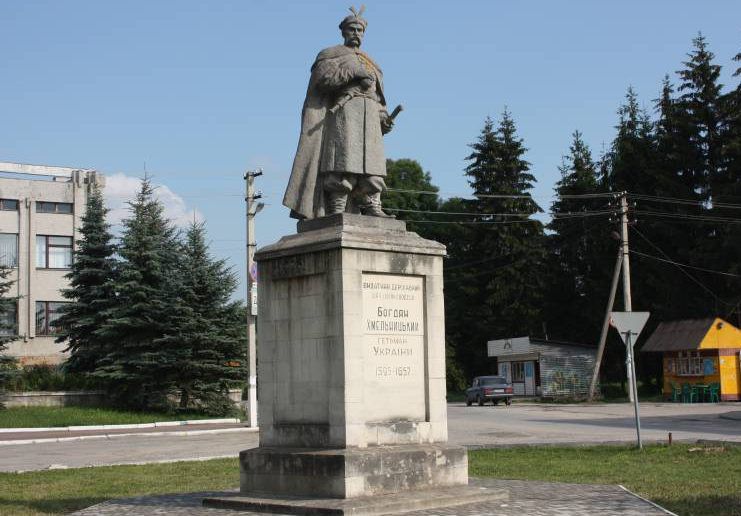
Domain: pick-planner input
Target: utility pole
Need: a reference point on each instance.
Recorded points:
(250, 196)
(627, 301)
(605, 325)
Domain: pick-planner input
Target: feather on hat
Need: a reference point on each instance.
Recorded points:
(355, 17)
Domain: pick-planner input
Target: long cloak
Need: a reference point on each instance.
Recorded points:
(305, 193)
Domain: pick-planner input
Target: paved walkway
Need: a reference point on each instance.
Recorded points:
(526, 497)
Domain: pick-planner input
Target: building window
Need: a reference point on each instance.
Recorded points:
(53, 252)
(47, 312)
(9, 319)
(9, 204)
(686, 364)
(518, 371)
(53, 207)
(9, 249)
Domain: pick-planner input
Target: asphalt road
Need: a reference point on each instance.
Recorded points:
(520, 424)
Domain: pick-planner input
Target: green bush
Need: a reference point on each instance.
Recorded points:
(50, 378)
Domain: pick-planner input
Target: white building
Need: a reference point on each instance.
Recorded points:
(40, 215)
(547, 368)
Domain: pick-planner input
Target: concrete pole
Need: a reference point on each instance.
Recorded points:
(605, 324)
(627, 301)
(632, 367)
(251, 210)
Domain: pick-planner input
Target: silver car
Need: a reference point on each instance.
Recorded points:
(489, 388)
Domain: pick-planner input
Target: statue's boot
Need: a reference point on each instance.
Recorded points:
(336, 202)
(372, 207)
(337, 188)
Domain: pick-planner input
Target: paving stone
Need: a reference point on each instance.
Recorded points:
(526, 498)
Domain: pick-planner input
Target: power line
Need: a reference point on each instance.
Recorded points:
(584, 213)
(686, 265)
(506, 196)
(674, 200)
(473, 221)
(688, 217)
(678, 265)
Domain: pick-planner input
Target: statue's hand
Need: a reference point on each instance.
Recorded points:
(387, 123)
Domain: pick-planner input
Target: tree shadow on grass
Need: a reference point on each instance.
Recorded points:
(702, 505)
(67, 505)
(50, 506)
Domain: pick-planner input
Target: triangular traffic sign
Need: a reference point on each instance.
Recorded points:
(629, 322)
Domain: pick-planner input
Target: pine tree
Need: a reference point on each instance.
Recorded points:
(91, 291)
(8, 330)
(209, 339)
(495, 276)
(139, 370)
(581, 251)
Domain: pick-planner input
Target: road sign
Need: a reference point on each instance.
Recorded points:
(629, 322)
(629, 325)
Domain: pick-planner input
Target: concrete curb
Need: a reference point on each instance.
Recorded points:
(647, 500)
(132, 463)
(122, 427)
(114, 436)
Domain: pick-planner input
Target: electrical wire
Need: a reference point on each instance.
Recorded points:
(676, 264)
(585, 213)
(506, 196)
(474, 221)
(674, 200)
(732, 275)
(687, 216)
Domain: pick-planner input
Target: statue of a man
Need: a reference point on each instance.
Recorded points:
(340, 164)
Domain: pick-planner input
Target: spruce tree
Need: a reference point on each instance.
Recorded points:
(706, 116)
(581, 252)
(728, 191)
(700, 102)
(494, 285)
(8, 331)
(138, 370)
(208, 339)
(632, 156)
(91, 291)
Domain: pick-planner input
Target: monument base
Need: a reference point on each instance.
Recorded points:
(385, 504)
(351, 472)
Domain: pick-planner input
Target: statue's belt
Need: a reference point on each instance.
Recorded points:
(348, 97)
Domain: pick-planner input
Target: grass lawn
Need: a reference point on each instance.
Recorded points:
(702, 482)
(64, 491)
(30, 417)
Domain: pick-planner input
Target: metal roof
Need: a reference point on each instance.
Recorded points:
(678, 335)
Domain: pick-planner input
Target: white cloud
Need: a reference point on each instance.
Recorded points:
(120, 189)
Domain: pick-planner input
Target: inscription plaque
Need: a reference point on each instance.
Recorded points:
(394, 335)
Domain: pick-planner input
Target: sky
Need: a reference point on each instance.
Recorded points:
(195, 93)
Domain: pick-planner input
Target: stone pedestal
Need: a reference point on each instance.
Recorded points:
(351, 364)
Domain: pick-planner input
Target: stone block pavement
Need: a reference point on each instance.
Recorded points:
(526, 498)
